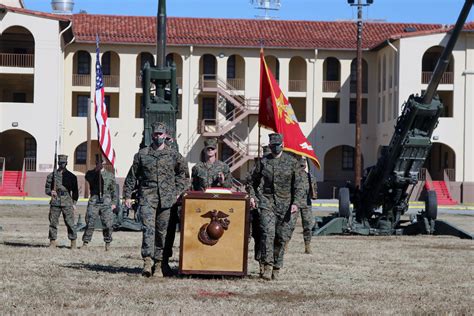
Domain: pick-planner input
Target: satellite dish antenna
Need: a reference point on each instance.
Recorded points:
(267, 6)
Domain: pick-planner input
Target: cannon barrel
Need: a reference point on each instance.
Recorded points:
(161, 35)
(444, 59)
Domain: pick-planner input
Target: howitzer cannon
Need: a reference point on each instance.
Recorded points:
(160, 90)
(384, 193)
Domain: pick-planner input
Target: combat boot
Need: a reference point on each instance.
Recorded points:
(286, 246)
(267, 272)
(156, 269)
(52, 243)
(307, 247)
(85, 245)
(262, 269)
(107, 246)
(73, 244)
(275, 273)
(166, 269)
(147, 266)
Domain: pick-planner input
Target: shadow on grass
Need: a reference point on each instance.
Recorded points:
(103, 268)
(23, 245)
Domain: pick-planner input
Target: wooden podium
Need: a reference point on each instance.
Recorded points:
(214, 234)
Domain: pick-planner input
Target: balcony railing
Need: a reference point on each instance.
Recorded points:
(237, 83)
(17, 60)
(447, 78)
(297, 85)
(30, 164)
(331, 86)
(81, 80)
(112, 81)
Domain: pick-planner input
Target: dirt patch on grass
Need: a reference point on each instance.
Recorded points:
(346, 275)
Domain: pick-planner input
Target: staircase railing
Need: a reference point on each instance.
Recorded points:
(23, 176)
(237, 185)
(30, 164)
(2, 168)
(449, 175)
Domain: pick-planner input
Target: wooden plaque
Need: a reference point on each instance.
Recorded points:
(204, 217)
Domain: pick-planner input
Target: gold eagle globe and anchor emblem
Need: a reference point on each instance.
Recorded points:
(210, 233)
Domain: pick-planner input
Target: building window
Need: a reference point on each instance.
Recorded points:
(229, 111)
(82, 105)
(107, 104)
(226, 152)
(352, 111)
(30, 147)
(209, 67)
(81, 154)
(208, 108)
(19, 97)
(231, 67)
(83, 63)
(106, 64)
(331, 111)
(332, 69)
(347, 158)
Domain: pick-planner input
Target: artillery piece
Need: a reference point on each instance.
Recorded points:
(385, 191)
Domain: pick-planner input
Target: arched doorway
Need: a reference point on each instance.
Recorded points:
(331, 75)
(365, 76)
(428, 64)
(441, 160)
(80, 156)
(18, 147)
(274, 65)
(236, 72)
(297, 75)
(339, 164)
(17, 50)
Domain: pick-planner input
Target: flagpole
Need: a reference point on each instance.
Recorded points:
(89, 146)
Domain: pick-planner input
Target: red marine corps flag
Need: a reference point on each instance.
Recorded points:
(276, 113)
(103, 130)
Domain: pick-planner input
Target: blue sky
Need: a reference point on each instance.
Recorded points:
(419, 11)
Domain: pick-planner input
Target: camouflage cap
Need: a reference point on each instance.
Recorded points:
(275, 139)
(210, 142)
(62, 158)
(266, 150)
(159, 127)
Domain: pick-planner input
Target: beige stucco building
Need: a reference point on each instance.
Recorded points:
(47, 80)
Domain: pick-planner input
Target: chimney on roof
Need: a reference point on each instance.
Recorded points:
(62, 6)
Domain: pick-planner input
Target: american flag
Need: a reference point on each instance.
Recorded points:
(103, 129)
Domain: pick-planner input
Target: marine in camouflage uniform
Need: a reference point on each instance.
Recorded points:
(61, 185)
(101, 202)
(254, 212)
(175, 210)
(307, 218)
(211, 172)
(161, 174)
(277, 190)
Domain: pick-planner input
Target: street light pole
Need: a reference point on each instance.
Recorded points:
(358, 121)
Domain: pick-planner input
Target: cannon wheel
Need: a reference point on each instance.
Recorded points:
(344, 203)
(431, 205)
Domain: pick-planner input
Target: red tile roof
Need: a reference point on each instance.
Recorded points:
(58, 17)
(115, 29)
(237, 32)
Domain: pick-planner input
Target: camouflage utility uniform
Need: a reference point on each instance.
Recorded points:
(307, 218)
(161, 174)
(175, 209)
(100, 203)
(276, 186)
(67, 191)
(206, 174)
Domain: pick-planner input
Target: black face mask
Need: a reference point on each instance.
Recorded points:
(276, 149)
(158, 141)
